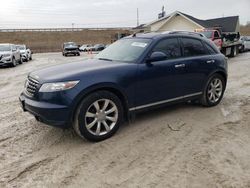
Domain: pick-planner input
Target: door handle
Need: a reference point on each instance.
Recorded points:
(210, 61)
(180, 66)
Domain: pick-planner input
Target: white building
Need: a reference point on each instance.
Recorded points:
(180, 21)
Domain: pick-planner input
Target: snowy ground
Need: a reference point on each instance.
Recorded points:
(178, 146)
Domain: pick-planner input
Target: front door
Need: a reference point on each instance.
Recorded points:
(161, 80)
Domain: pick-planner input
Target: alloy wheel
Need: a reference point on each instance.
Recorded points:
(101, 117)
(215, 90)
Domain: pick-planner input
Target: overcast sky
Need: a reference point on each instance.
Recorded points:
(110, 13)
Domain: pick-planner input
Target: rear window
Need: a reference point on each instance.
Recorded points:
(193, 47)
(210, 49)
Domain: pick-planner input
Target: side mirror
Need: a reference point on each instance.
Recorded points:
(157, 56)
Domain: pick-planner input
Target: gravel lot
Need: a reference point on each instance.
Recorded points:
(178, 146)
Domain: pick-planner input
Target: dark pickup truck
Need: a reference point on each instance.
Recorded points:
(70, 48)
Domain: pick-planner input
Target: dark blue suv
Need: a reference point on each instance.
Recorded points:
(133, 74)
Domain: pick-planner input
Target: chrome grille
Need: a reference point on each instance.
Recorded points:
(31, 86)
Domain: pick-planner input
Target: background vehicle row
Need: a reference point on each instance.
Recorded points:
(11, 54)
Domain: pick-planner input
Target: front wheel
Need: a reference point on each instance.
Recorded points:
(214, 91)
(98, 116)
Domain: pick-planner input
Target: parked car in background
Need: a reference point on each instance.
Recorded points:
(132, 74)
(245, 43)
(90, 47)
(84, 47)
(26, 53)
(70, 48)
(98, 47)
(9, 55)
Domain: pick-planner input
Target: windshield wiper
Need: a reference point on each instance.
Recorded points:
(105, 59)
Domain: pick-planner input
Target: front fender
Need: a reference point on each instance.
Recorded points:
(112, 87)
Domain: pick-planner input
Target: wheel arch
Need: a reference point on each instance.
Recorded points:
(101, 87)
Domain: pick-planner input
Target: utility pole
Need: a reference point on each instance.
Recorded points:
(73, 26)
(138, 17)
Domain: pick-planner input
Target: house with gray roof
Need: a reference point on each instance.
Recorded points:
(181, 21)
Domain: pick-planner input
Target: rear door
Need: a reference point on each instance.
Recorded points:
(198, 64)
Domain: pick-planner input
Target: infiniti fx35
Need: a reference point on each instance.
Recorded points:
(135, 73)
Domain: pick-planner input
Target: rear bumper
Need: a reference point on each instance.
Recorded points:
(51, 114)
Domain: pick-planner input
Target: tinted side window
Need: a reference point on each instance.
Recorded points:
(192, 47)
(170, 47)
(210, 49)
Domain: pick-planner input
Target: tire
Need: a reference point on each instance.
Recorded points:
(13, 64)
(91, 126)
(78, 54)
(213, 91)
(30, 58)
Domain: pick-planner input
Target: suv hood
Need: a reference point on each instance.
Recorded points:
(72, 71)
(23, 51)
(5, 52)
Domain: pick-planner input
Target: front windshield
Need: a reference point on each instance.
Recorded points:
(208, 34)
(70, 44)
(5, 48)
(127, 50)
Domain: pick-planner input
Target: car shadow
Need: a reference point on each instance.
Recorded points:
(70, 137)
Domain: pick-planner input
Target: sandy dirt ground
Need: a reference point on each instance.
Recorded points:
(179, 146)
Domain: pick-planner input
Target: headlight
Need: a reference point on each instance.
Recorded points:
(60, 86)
(6, 55)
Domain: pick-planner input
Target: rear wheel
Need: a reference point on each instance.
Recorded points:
(213, 91)
(98, 116)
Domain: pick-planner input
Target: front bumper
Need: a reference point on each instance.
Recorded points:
(24, 56)
(4, 61)
(71, 52)
(51, 114)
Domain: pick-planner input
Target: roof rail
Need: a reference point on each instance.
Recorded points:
(184, 32)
